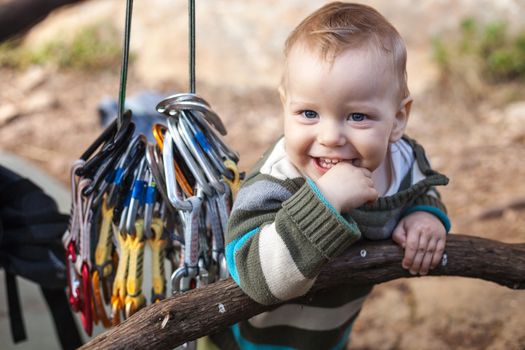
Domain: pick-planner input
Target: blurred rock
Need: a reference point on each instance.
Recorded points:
(515, 112)
(514, 115)
(8, 113)
(32, 78)
(39, 102)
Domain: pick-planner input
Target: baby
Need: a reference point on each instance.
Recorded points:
(343, 171)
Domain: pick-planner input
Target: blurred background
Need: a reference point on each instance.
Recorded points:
(466, 69)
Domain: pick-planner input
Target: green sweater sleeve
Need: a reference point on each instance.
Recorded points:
(279, 237)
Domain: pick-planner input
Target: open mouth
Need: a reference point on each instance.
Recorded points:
(325, 164)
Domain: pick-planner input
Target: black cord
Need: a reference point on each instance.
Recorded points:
(191, 31)
(124, 67)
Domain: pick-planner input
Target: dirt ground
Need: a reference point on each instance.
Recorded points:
(476, 138)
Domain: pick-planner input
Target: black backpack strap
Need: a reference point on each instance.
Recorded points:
(16, 320)
(65, 324)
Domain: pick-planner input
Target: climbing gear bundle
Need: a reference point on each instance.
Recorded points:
(171, 195)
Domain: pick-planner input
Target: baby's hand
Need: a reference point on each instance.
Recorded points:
(423, 236)
(346, 186)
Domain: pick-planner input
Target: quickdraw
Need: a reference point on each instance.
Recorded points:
(170, 198)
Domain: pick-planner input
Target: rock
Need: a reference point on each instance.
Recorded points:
(515, 112)
(514, 115)
(8, 113)
(39, 102)
(32, 78)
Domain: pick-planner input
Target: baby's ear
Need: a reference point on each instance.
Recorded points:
(282, 94)
(401, 119)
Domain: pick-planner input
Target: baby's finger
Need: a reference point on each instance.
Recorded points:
(412, 244)
(438, 254)
(420, 253)
(366, 172)
(372, 195)
(400, 235)
(428, 258)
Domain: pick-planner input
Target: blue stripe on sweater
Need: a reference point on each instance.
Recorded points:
(432, 210)
(248, 345)
(350, 225)
(245, 344)
(231, 250)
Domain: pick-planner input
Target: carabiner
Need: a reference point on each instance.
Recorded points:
(73, 281)
(135, 299)
(171, 105)
(98, 302)
(119, 283)
(184, 279)
(157, 245)
(86, 306)
(174, 196)
(198, 151)
(234, 183)
(186, 155)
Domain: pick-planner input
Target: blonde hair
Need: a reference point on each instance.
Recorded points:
(338, 26)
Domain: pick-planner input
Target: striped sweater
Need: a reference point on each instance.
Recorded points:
(282, 231)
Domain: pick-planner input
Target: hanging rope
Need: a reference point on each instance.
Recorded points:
(191, 40)
(124, 67)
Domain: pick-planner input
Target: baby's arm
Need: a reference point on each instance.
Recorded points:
(422, 233)
(280, 235)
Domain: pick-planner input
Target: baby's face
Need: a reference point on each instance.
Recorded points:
(345, 111)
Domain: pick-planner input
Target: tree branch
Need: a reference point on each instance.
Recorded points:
(18, 16)
(209, 309)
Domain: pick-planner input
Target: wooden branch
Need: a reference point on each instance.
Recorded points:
(209, 309)
(18, 16)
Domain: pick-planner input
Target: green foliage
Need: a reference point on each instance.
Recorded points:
(93, 47)
(497, 55)
(441, 54)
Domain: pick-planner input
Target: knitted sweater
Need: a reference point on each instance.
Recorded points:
(282, 231)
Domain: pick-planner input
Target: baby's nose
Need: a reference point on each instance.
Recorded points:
(331, 135)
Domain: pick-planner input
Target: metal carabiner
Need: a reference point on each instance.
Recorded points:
(159, 131)
(73, 280)
(137, 196)
(86, 306)
(125, 171)
(171, 181)
(235, 183)
(149, 203)
(208, 146)
(98, 302)
(184, 277)
(164, 105)
(199, 154)
(157, 245)
(103, 260)
(119, 283)
(135, 299)
(70, 239)
(224, 273)
(171, 105)
(186, 155)
(224, 150)
(213, 221)
(103, 266)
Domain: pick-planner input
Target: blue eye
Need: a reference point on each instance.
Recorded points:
(310, 114)
(357, 117)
